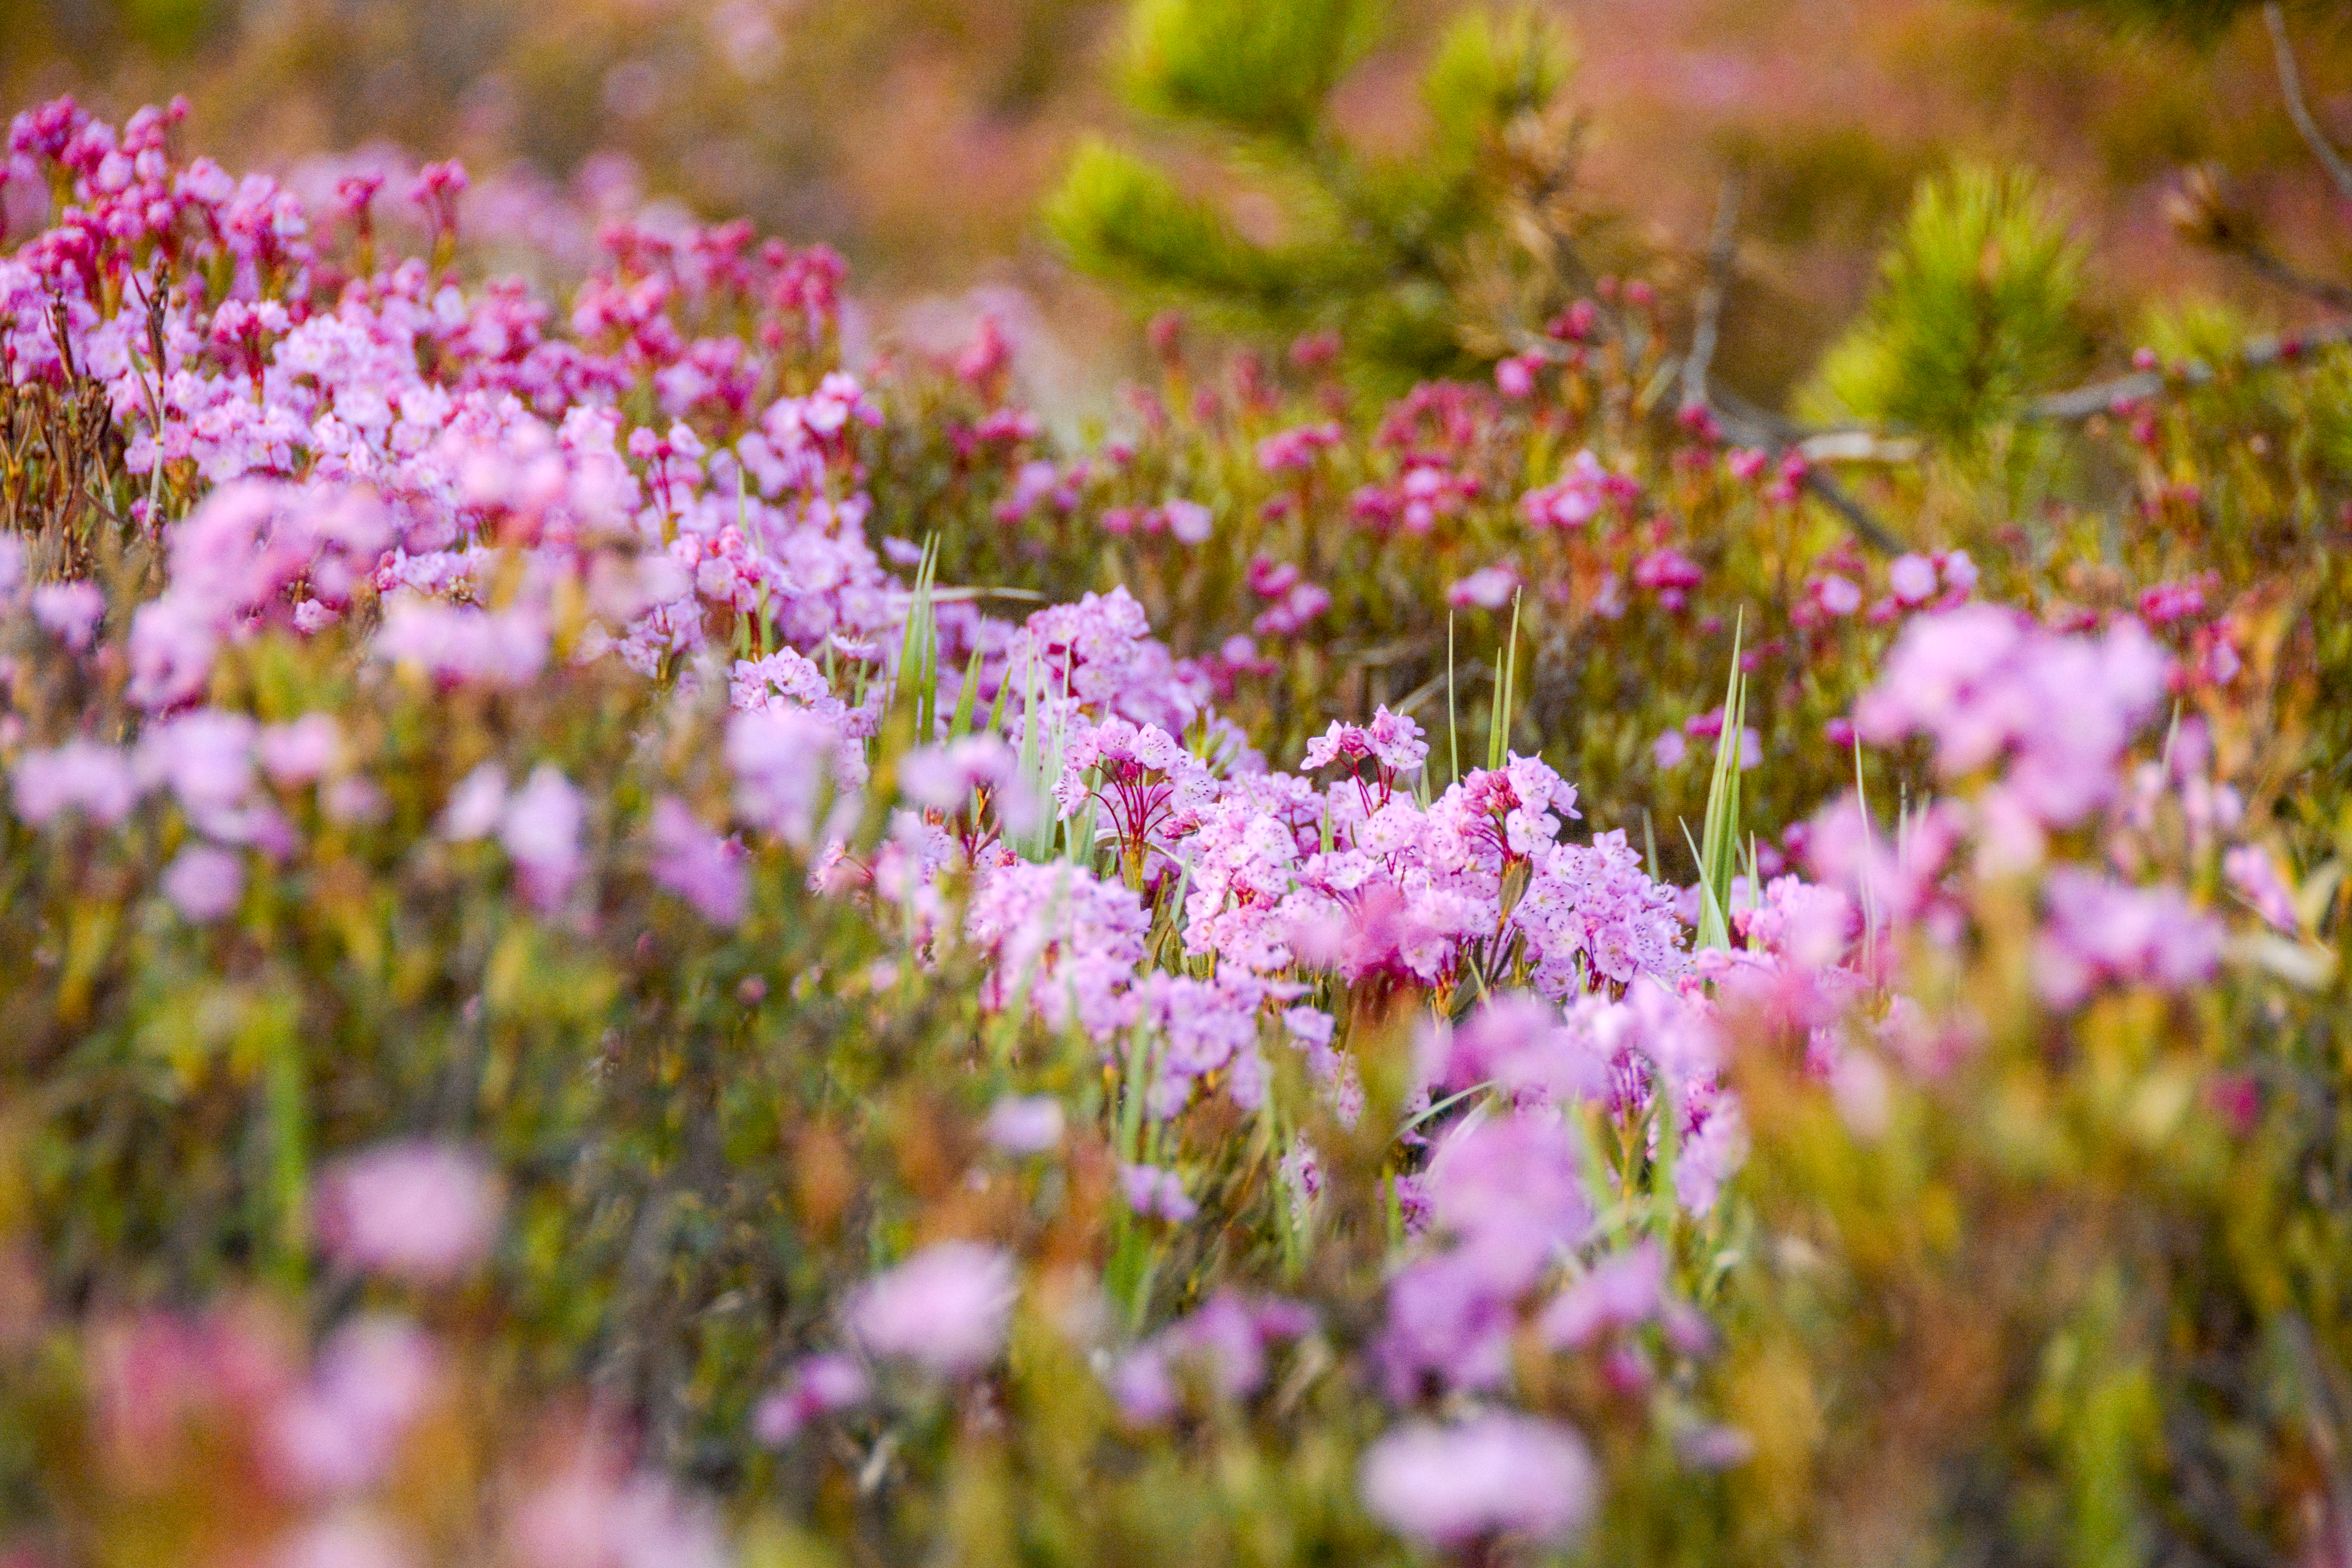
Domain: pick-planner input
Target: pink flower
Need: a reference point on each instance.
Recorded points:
(2255, 874)
(1837, 594)
(1294, 450)
(70, 610)
(698, 865)
(1621, 1290)
(1446, 1487)
(947, 778)
(1392, 739)
(1990, 686)
(300, 751)
(592, 1514)
(1509, 1190)
(1021, 1124)
(1293, 612)
(1575, 499)
(476, 805)
(1912, 578)
(1068, 943)
(346, 1540)
(426, 1213)
(203, 883)
(1488, 588)
(1150, 789)
(372, 1380)
(1189, 522)
(540, 833)
(946, 1308)
(461, 644)
(784, 763)
(1519, 1044)
(2098, 931)
(1670, 574)
(819, 1386)
(1152, 1191)
(1226, 1338)
(81, 775)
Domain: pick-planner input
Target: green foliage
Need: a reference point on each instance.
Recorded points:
(2201, 21)
(1124, 218)
(1376, 248)
(1490, 69)
(1255, 68)
(1978, 308)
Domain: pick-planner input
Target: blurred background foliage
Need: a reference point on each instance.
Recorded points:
(923, 138)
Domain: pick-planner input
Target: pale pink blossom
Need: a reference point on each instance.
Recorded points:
(1494, 1475)
(946, 1308)
(423, 1212)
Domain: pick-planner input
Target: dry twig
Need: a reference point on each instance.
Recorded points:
(2291, 84)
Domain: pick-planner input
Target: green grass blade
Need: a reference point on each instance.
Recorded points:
(967, 700)
(1452, 725)
(1498, 734)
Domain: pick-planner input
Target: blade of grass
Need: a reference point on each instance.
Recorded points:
(1499, 731)
(966, 701)
(1452, 725)
(1719, 846)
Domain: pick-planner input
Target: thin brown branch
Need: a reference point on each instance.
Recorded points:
(2291, 84)
(1722, 255)
(1744, 422)
(2284, 273)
